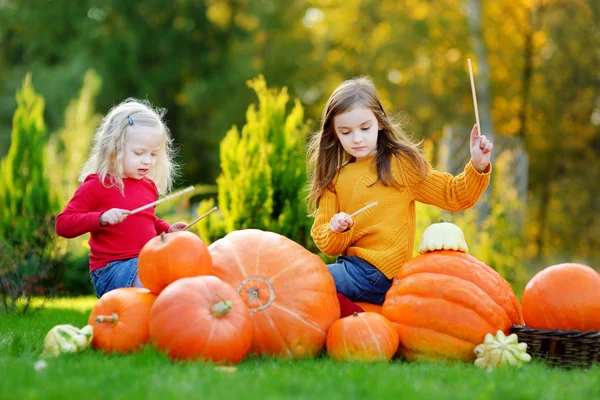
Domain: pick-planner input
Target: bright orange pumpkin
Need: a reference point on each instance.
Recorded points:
(444, 302)
(564, 296)
(288, 290)
(201, 318)
(369, 307)
(120, 320)
(172, 256)
(365, 336)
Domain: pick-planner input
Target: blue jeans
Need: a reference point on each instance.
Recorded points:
(358, 280)
(116, 274)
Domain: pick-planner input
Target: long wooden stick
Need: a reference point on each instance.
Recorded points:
(188, 189)
(474, 96)
(200, 217)
(355, 213)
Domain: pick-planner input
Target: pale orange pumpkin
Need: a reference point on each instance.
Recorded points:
(289, 291)
(365, 336)
(444, 302)
(120, 320)
(201, 318)
(564, 296)
(171, 256)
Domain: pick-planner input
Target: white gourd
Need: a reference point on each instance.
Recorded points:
(499, 350)
(443, 236)
(67, 339)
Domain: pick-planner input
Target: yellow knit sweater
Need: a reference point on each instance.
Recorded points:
(383, 235)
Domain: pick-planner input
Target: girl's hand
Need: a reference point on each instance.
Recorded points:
(481, 150)
(340, 222)
(178, 226)
(113, 216)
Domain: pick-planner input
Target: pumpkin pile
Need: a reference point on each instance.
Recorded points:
(251, 291)
(444, 301)
(257, 292)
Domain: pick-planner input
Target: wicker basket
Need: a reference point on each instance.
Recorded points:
(568, 349)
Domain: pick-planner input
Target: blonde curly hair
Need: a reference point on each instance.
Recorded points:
(106, 156)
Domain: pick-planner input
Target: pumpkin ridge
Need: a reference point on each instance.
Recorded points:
(233, 250)
(379, 350)
(276, 329)
(295, 263)
(510, 304)
(451, 337)
(299, 318)
(452, 332)
(456, 301)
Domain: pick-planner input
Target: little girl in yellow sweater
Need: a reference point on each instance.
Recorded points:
(360, 156)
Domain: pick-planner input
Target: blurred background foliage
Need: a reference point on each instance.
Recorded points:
(195, 57)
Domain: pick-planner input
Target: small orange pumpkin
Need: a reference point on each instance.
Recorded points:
(564, 296)
(171, 256)
(120, 320)
(289, 291)
(201, 318)
(444, 302)
(365, 336)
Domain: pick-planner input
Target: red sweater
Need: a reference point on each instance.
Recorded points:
(111, 242)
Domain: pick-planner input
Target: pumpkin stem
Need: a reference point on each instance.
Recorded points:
(163, 237)
(442, 219)
(221, 308)
(108, 318)
(355, 314)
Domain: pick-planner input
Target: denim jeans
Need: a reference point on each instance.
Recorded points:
(358, 280)
(116, 274)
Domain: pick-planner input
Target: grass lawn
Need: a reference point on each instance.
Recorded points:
(148, 374)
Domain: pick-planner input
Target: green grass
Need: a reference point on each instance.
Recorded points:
(150, 375)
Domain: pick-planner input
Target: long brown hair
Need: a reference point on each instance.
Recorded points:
(326, 155)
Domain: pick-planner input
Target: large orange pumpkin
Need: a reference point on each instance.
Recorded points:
(288, 290)
(120, 320)
(564, 296)
(444, 302)
(172, 256)
(365, 336)
(201, 318)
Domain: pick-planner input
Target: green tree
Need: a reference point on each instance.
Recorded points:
(24, 188)
(263, 179)
(26, 231)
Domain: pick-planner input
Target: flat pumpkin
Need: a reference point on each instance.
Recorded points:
(120, 320)
(364, 337)
(172, 256)
(288, 290)
(201, 318)
(564, 296)
(444, 302)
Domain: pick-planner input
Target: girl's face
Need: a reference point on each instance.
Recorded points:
(141, 147)
(357, 131)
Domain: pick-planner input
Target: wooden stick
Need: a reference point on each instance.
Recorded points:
(188, 189)
(199, 218)
(355, 213)
(474, 96)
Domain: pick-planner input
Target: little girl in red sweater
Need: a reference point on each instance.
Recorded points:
(130, 164)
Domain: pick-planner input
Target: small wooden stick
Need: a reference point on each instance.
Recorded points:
(199, 218)
(474, 96)
(161, 200)
(355, 213)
